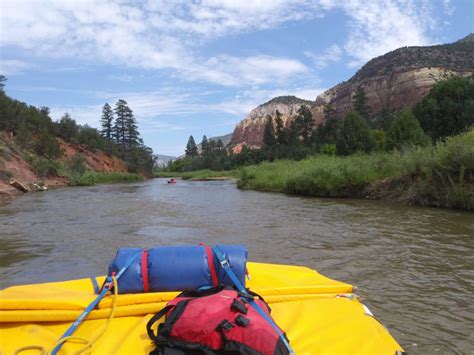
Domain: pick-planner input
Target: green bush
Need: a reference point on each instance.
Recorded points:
(91, 178)
(76, 165)
(45, 167)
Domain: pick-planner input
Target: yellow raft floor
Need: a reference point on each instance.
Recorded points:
(319, 315)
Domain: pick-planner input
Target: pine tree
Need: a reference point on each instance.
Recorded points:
(279, 128)
(204, 145)
(132, 136)
(2, 82)
(219, 145)
(106, 122)
(360, 105)
(120, 124)
(269, 133)
(355, 135)
(305, 123)
(191, 148)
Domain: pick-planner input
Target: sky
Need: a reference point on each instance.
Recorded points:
(198, 67)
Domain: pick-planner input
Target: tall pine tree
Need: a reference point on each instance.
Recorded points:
(191, 148)
(132, 136)
(120, 124)
(2, 82)
(280, 129)
(269, 133)
(304, 122)
(204, 145)
(360, 103)
(107, 121)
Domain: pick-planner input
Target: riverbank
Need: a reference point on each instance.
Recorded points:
(440, 176)
(200, 175)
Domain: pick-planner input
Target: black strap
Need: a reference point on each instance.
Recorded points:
(155, 319)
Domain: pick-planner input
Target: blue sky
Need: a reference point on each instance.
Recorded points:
(198, 67)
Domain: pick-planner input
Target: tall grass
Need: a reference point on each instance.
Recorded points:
(91, 178)
(440, 175)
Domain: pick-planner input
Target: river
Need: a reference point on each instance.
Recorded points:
(414, 267)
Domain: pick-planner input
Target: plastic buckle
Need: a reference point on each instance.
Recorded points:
(238, 306)
(225, 325)
(242, 321)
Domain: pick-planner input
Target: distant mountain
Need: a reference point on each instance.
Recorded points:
(392, 81)
(225, 139)
(162, 160)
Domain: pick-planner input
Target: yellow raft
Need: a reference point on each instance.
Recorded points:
(319, 315)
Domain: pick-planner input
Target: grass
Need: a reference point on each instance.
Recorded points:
(91, 178)
(440, 175)
(200, 174)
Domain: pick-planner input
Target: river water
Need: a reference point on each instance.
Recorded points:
(414, 267)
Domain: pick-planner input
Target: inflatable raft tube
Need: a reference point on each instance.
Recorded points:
(319, 315)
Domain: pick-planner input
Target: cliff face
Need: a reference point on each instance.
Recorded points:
(400, 88)
(395, 80)
(249, 131)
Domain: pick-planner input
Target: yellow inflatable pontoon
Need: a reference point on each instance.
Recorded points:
(319, 315)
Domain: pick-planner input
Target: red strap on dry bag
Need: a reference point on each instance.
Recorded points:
(212, 269)
(146, 286)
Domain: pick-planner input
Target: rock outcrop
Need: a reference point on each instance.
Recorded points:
(395, 80)
(249, 131)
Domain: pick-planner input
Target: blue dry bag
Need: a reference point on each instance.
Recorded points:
(176, 268)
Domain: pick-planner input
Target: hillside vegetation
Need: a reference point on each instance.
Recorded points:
(35, 150)
(441, 175)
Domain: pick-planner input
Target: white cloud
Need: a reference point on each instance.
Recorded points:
(12, 66)
(330, 55)
(379, 27)
(159, 34)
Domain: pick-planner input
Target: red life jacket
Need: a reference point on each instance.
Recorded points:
(214, 321)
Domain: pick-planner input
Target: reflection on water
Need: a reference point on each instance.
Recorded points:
(413, 266)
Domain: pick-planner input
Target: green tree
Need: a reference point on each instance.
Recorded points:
(191, 148)
(24, 137)
(132, 135)
(304, 122)
(2, 83)
(380, 140)
(122, 112)
(107, 121)
(355, 135)
(448, 109)
(328, 133)
(269, 139)
(280, 132)
(406, 130)
(47, 146)
(360, 103)
(219, 145)
(67, 127)
(383, 120)
(205, 145)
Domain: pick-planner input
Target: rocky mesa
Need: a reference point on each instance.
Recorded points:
(397, 79)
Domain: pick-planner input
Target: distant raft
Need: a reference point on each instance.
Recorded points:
(319, 315)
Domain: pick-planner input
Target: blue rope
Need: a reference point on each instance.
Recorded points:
(226, 266)
(94, 303)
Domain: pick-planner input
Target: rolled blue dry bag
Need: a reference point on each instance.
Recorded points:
(176, 268)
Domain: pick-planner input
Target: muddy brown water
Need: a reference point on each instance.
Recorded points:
(414, 267)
